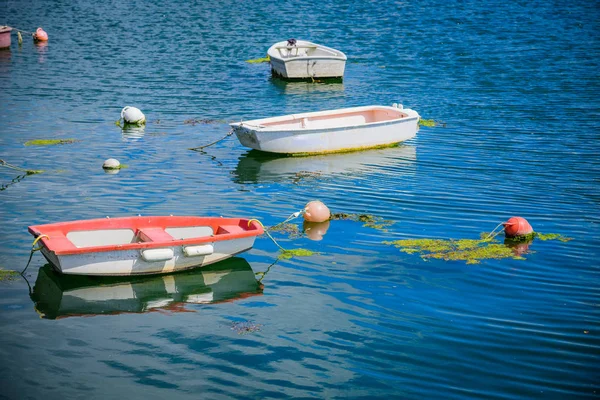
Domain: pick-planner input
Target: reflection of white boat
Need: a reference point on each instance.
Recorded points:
(300, 59)
(256, 166)
(304, 88)
(56, 295)
(341, 130)
(143, 245)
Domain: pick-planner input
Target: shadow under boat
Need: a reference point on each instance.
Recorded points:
(258, 166)
(58, 296)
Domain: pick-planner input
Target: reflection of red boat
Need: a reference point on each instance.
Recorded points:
(58, 296)
(143, 245)
(5, 37)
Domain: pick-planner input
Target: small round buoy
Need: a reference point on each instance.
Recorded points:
(40, 35)
(517, 226)
(316, 211)
(111, 163)
(132, 115)
(315, 230)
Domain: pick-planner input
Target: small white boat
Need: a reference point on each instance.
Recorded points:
(143, 245)
(341, 130)
(300, 59)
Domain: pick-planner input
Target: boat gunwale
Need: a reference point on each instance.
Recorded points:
(274, 54)
(254, 229)
(265, 129)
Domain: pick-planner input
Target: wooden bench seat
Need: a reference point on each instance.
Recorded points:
(154, 235)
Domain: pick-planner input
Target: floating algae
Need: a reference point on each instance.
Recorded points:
(552, 236)
(430, 123)
(370, 221)
(469, 250)
(287, 254)
(48, 142)
(259, 60)
(8, 275)
(287, 228)
(472, 251)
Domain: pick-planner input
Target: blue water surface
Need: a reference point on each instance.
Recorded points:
(515, 86)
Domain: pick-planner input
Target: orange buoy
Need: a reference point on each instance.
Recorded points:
(517, 226)
(315, 211)
(40, 35)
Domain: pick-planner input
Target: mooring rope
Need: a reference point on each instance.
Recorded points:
(199, 148)
(33, 250)
(291, 217)
(489, 237)
(7, 165)
(20, 30)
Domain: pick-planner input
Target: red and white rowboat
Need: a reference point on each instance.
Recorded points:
(143, 245)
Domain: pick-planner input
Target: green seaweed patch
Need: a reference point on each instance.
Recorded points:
(259, 60)
(529, 237)
(125, 124)
(552, 236)
(469, 250)
(287, 228)
(287, 254)
(8, 275)
(431, 123)
(49, 142)
(369, 221)
(120, 166)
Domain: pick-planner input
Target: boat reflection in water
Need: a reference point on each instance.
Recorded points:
(327, 88)
(58, 296)
(257, 166)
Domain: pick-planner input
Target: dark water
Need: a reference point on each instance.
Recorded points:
(516, 84)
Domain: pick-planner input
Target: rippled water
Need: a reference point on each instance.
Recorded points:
(516, 86)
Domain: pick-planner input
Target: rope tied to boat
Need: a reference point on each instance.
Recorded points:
(291, 217)
(33, 250)
(199, 148)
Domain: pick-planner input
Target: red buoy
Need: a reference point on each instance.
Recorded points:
(517, 226)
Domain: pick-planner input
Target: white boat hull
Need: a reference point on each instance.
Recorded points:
(328, 131)
(306, 60)
(132, 262)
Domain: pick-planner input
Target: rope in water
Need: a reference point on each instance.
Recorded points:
(291, 217)
(7, 165)
(33, 250)
(199, 148)
(21, 30)
(495, 234)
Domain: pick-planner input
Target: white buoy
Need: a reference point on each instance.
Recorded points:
(111, 163)
(132, 115)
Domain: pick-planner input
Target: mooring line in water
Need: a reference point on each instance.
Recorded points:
(495, 234)
(33, 250)
(199, 148)
(27, 171)
(267, 233)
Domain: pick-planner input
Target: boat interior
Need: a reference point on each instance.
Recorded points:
(300, 50)
(111, 237)
(336, 120)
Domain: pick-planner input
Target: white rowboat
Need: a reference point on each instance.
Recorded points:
(300, 59)
(143, 245)
(341, 130)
